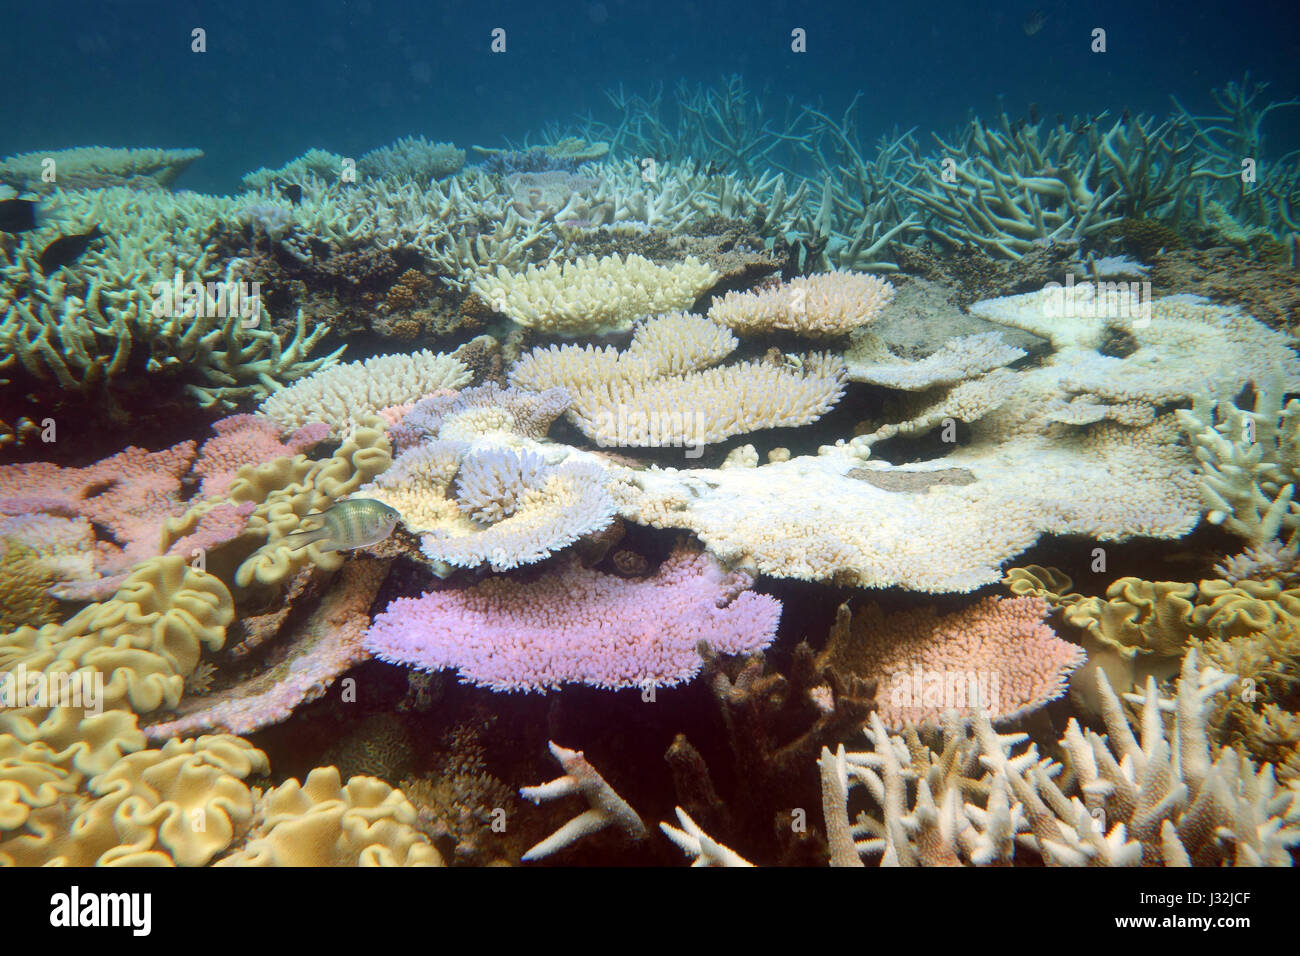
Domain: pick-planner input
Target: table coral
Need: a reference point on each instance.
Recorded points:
(575, 625)
(660, 391)
(997, 652)
(590, 296)
(823, 305)
(341, 396)
(505, 509)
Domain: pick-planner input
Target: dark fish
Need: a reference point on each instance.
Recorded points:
(19, 215)
(1124, 118)
(1034, 22)
(66, 250)
(1033, 113)
(292, 192)
(350, 524)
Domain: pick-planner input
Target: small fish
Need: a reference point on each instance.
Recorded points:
(1034, 22)
(19, 215)
(292, 192)
(1033, 113)
(348, 525)
(66, 250)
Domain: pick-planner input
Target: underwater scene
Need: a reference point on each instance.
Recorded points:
(647, 435)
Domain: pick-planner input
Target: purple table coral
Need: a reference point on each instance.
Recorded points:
(575, 625)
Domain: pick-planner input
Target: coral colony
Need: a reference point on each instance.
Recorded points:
(427, 481)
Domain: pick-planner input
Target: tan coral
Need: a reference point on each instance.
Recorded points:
(590, 296)
(323, 822)
(823, 305)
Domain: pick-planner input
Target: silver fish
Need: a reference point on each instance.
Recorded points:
(350, 524)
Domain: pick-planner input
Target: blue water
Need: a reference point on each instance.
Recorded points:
(350, 75)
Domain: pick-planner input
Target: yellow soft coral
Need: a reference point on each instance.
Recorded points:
(325, 823)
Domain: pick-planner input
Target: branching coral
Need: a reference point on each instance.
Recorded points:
(607, 807)
(1166, 799)
(1250, 462)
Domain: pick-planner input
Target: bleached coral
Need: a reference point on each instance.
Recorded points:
(826, 304)
(1250, 462)
(1165, 799)
(507, 508)
(342, 395)
(660, 391)
(95, 167)
(590, 296)
(412, 158)
(997, 654)
(607, 808)
(957, 360)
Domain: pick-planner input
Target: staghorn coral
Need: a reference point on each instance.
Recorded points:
(590, 296)
(823, 305)
(1168, 799)
(511, 635)
(341, 396)
(607, 807)
(660, 391)
(1250, 461)
(997, 655)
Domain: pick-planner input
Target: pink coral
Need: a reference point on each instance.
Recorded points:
(300, 669)
(126, 496)
(924, 663)
(248, 440)
(575, 625)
